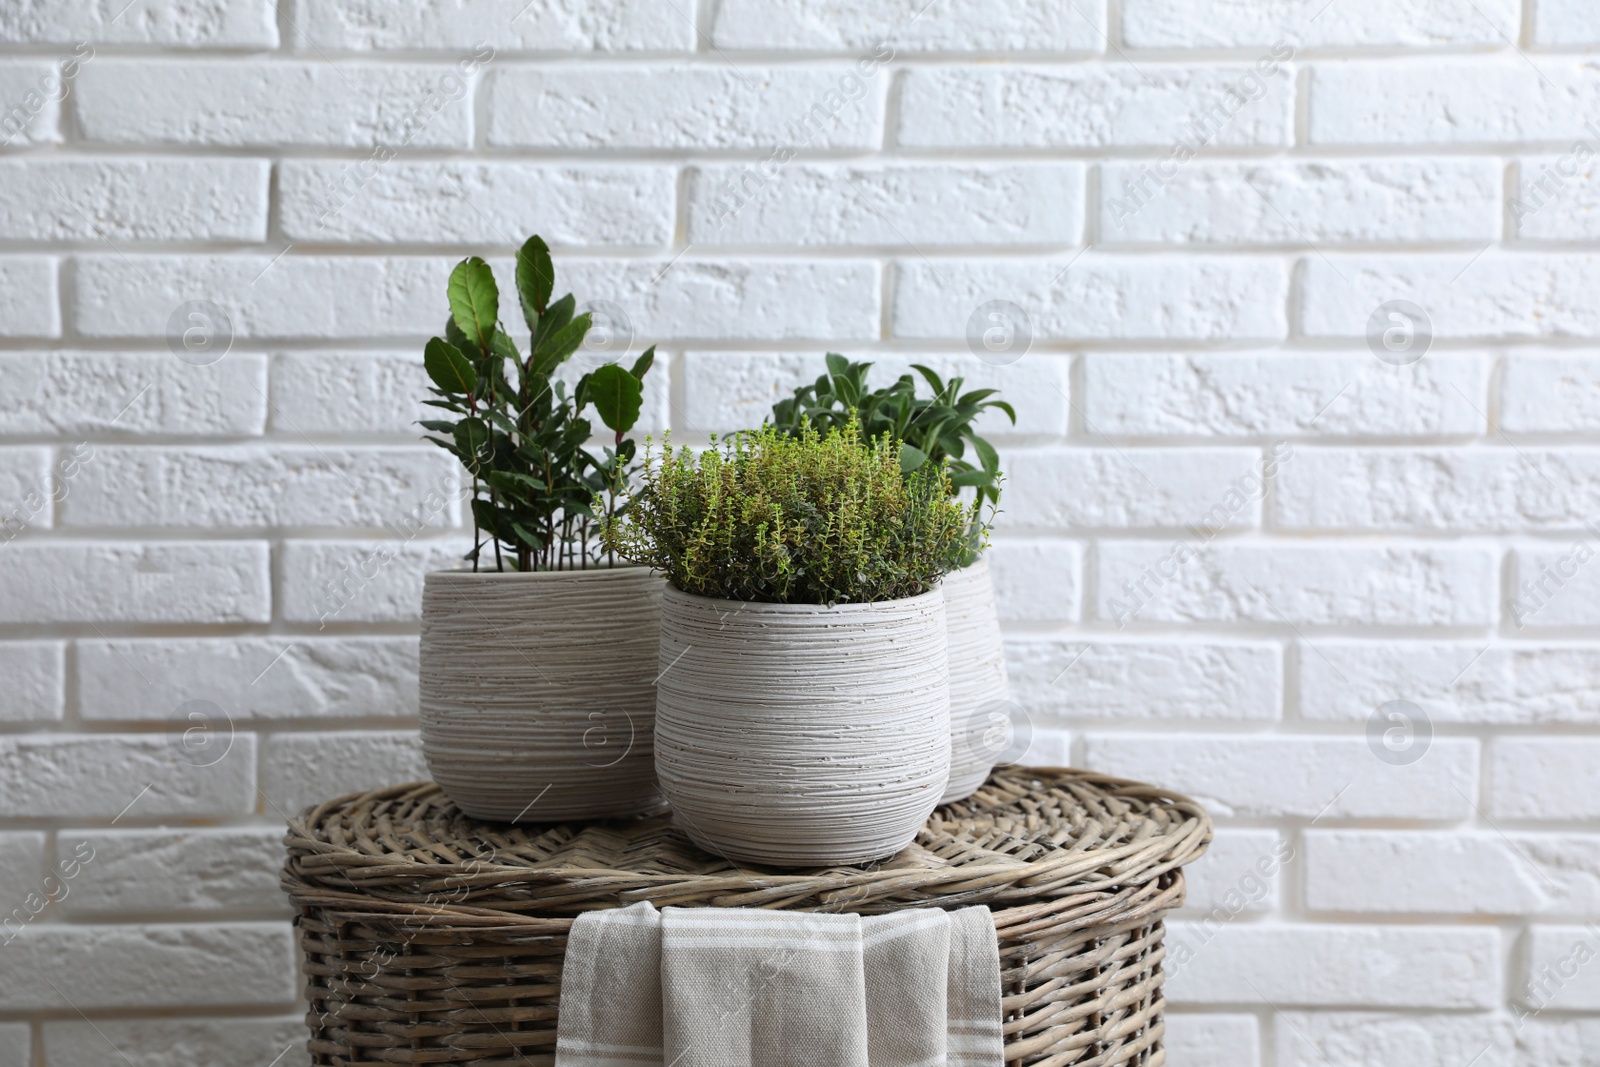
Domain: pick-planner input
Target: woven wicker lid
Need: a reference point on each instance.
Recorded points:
(1029, 834)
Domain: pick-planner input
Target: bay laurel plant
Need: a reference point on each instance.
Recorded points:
(808, 518)
(539, 492)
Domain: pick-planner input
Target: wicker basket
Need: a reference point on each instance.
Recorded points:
(433, 939)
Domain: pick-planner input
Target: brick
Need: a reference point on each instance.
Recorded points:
(28, 489)
(150, 966)
(1500, 295)
(1560, 971)
(1247, 394)
(362, 581)
(299, 770)
(31, 92)
(1550, 393)
(476, 203)
(212, 24)
(965, 26)
(1047, 747)
(1557, 198)
(499, 25)
(123, 199)
(679, 105)
(1289, 584)
(241, 103)
(1569, 1042)
(61, 393)
(1334, 777)
(30, 299)
(1544, 778)
(171, 581)
(256, 486)
(1242, 873)
(178, 1042)
(1398, 966)
(1462, 100)
(150, 871)
(1564, 23)
(1363, 23)
(51, 776)
(1098, 297)
(1074, 678)
(1554, 586)
(916, 204)
(16, 1045)
(1333, 201)
(1153, 106)
(1499, 683)
(1212, 1040)
(1481, 872)
(1087, 488)
(1037, 580)
(1315, 1039)
(1458, 490)
(22, 872)
(144, 680)
(35, 674)
(349, 392)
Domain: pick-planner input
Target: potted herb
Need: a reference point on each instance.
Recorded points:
(802, 716)
(537, 658)
(931, 430)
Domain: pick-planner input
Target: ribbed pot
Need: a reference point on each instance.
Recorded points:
(536, 691)
(798, 735)
(980, 697)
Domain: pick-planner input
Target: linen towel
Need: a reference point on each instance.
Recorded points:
(736, 987)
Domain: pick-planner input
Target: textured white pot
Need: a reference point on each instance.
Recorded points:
(980, 697)
(802, 736)
(537, 702)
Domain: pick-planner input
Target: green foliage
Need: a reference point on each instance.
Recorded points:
(519, 432)
(801, 519)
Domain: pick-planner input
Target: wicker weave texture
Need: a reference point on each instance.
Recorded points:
(433, 939)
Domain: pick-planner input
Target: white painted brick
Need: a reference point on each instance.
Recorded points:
(917, 204)
(1544, 777)
(23, 872)
(1334, 777)
(152, 871)
(1047, 747)
(1211, 1040)
(1480, 872)
(1464, 489)
(502, 25)
(1550, 393)
(121, 199)
(362, 581)
(1107, 681)
(1284, 393)
(255, 486)
(237, 103)
(1114, 104)
(1361, 23)
(172, 581)
(30, 299)
(1317, 202)
(34, 673)
(1316, 1039)
(149, 679)
(131, 393)
(31, 92)
(907, 26)
(57, 775)
(1460, 100)
(1304, 584)
(178, 1042)
(349, 392)
(1557, 198)
(28, 488)
(1561, 970)
(1565, 23)
(1554, 586)
(1036, 580)
(679, 105)
(1553, 1041)
(299, 770)
(149, 966)
(1241, 873)
(210, 24)
(1099, 297)
(1084, 488)
(476, 203)
(1400, 966)
(1452, 681)
(1500, 295)
(16, 1045)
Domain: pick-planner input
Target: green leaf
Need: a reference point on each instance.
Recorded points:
(450, 370)
(554, 349)
(987, 456)
(535, 277)
(474, 301)
(558, 315)
(617, 396)
(911, 458)
(962, 479)
(838, 366)
(932, 378)
(642, 365)
(472, 437)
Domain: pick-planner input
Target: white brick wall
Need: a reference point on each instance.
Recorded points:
(1233, 536)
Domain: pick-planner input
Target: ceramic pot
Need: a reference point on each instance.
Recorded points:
(798, 735)
(980, 697)
(536, 691)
